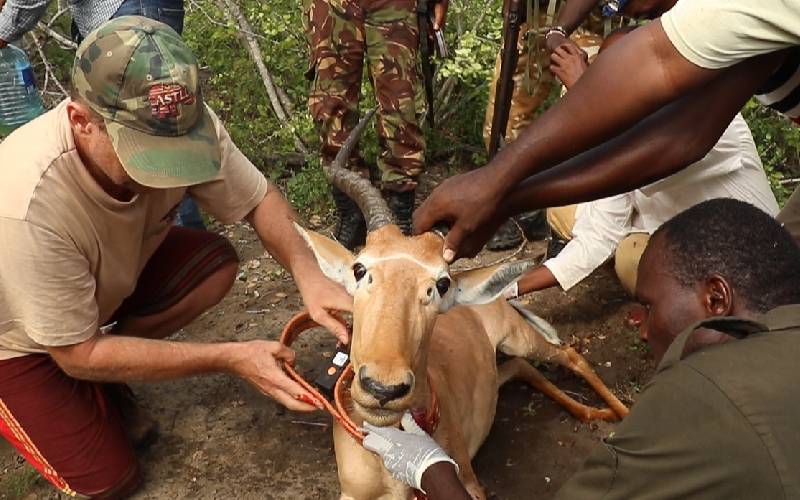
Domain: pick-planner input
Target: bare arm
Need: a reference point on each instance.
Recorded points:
(537, 279)
(273, 219)
(573, 13)
(666, 142)
(673, 137)
(441, 482)
(110, 358)
(634, 78)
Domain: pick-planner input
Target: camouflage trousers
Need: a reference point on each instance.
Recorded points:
(524, 103)
(343, 35)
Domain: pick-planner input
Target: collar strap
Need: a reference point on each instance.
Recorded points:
(426, 418)
(736, 327)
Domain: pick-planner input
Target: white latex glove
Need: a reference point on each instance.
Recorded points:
(408, 453)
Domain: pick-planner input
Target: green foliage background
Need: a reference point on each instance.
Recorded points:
(234, 88)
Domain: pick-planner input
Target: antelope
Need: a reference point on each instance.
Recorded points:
(418, 327)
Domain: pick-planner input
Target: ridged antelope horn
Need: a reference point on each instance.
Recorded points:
(359, 189)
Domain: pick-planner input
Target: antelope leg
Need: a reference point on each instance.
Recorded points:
(520, 369)
(578, 365)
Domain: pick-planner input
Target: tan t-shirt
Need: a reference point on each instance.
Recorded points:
(716, 34)
(69, 252)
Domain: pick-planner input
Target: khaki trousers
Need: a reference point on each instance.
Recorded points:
(628, 253)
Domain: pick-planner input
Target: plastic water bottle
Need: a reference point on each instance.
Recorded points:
(20, 101)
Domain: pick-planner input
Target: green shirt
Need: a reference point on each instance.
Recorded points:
(723, 423)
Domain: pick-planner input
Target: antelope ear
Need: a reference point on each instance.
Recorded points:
(480, 286)
(334, 259)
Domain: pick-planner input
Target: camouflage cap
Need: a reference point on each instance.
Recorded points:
(140, 76)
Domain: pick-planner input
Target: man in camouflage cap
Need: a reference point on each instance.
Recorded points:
(93, 274)
(343, 34)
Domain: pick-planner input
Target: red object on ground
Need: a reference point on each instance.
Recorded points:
(635, 316)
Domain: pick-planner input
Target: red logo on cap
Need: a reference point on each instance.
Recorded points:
(164, 99)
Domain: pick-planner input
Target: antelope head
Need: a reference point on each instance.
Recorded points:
(399, 285)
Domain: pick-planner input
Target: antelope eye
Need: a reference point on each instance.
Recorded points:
(359, 270)
(442, 285)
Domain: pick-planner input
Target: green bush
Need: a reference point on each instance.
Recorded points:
(778, 143)
(234, 89)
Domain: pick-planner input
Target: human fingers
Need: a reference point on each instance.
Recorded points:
(440, 14)
(427, 214)
(571, 49)
(374, 441)
(410, 425)
(294, 403)
(555, 40)
(282, 352)
(557, 62)
(333, 325)
(557, 59)
(452, 242)
(288, 392)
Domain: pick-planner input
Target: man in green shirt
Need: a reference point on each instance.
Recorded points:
(719, 418)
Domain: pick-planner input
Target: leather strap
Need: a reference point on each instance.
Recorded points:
(426, 418)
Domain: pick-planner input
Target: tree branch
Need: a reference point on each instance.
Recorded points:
(245, 34)
(48, 68)
(63, 41)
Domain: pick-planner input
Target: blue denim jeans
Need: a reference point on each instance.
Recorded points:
(169, 12)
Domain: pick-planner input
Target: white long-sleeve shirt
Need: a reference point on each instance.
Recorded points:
(732, 169)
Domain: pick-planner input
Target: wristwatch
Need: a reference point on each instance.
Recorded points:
(556, 29)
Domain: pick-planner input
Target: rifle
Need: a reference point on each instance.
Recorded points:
(515, 13)
(425, 25)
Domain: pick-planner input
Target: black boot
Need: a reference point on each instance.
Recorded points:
(507, 236)
(402, 206)
(534, 225)
(554, 246)
(351, 231)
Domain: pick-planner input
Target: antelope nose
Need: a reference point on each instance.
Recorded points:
(383, 392)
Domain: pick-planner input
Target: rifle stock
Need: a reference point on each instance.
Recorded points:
(515, 13)
(426, 53)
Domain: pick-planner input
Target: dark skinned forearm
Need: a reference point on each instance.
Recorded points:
(537, 279)
(666, 142)
(573, 13)
(440, 482)
(634, 78)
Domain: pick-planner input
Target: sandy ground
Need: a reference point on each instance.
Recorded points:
(220, 439)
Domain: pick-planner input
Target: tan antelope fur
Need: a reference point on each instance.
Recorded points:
(415, 320)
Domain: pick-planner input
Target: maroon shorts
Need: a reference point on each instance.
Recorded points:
(66, 428)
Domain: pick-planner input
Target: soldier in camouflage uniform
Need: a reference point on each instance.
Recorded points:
(88, 194)
(343, 35)
(533, 82)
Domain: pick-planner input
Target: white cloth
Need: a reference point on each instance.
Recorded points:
(732, 169)
(716, 34)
